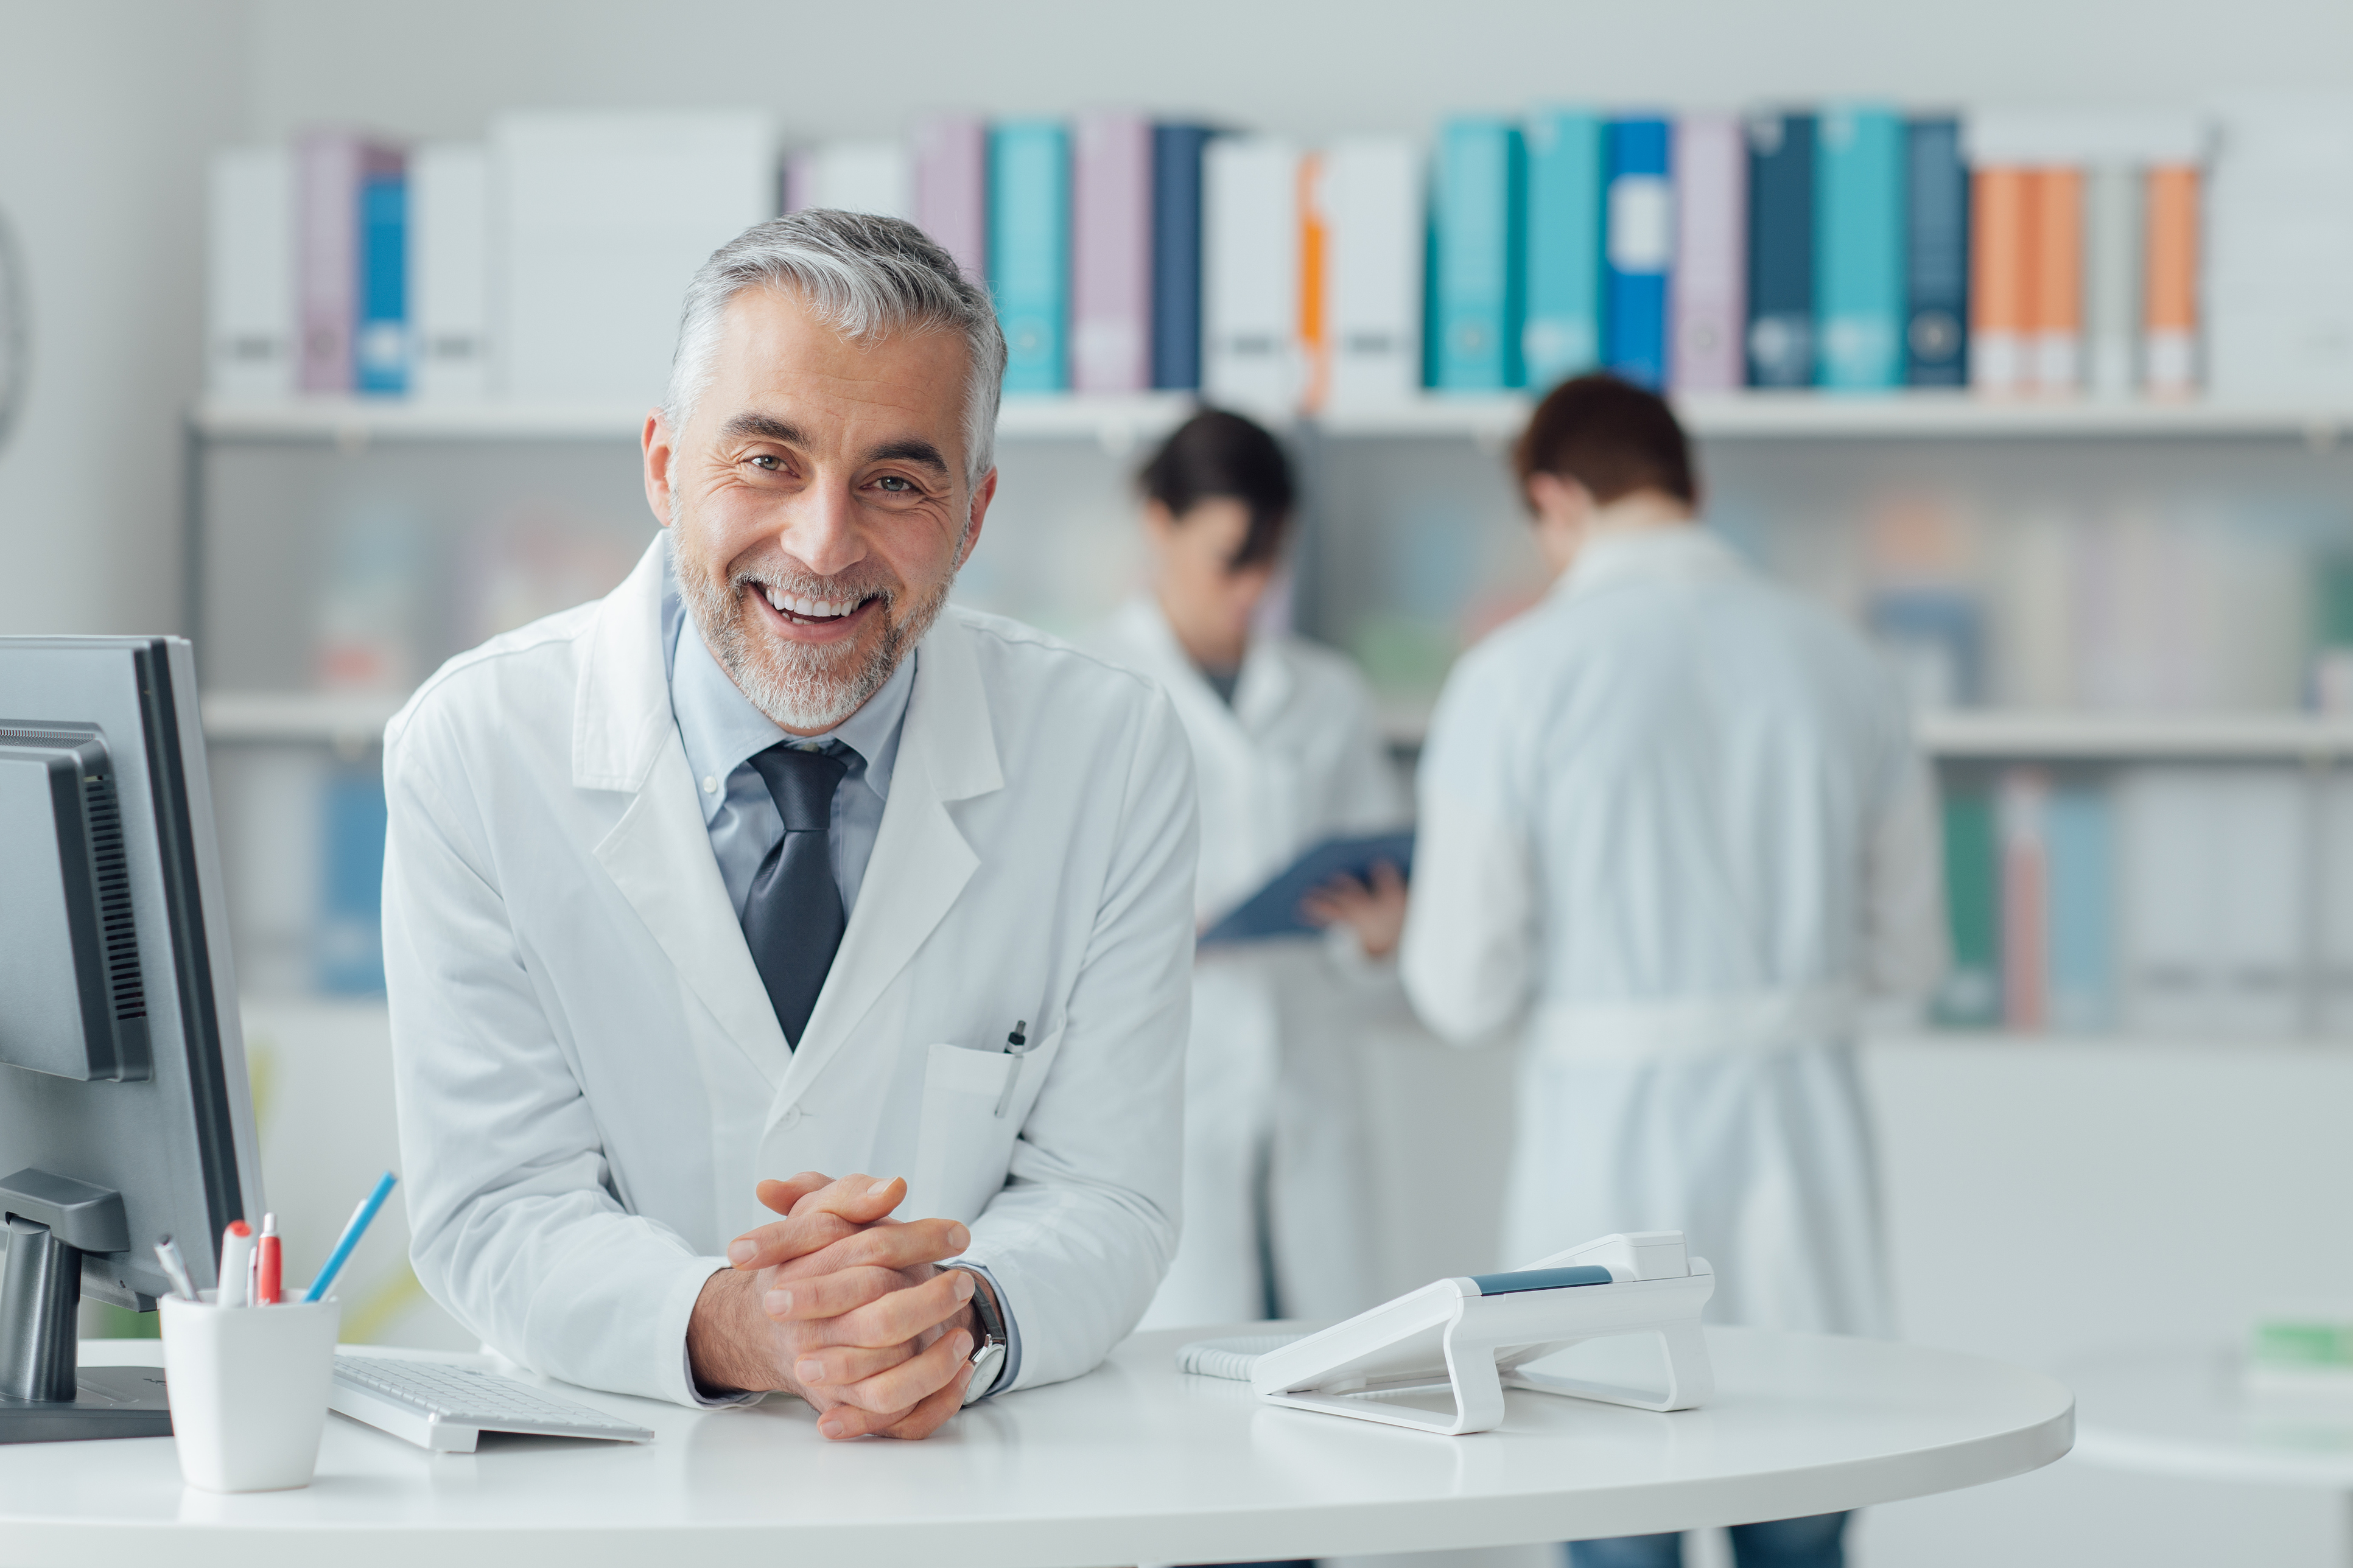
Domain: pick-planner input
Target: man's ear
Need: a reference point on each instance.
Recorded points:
(982, 494)
(659, 444)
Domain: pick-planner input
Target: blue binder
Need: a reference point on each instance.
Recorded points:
(1860, 251)
(380, 335)
(1176, 254)
(1781, 250)
(1477, 274)
(1937, 332)
(1029, 250)
(1562, 336)
(2079, 849)
(1273, 909)
(350, 932)
(1639, 249)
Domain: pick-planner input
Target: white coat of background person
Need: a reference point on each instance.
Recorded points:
(1287, 751)
(1675, 836)
(593, 1064)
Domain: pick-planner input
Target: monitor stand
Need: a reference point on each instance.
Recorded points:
(44, 1398)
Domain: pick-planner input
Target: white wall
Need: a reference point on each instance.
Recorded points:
(440, 66)
(106, 115)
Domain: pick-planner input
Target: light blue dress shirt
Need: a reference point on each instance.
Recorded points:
(721, 731)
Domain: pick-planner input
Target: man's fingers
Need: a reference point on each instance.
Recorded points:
(887, 1245)
(786, 1239)
(862, 1199)
(1387, 879)
(800, 1297)
(900, 1315)
(895, 1392)
(782, 1195)
(845, 1421)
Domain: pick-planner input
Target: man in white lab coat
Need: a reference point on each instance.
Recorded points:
(1673, 834)
(770, 863)
(1287, 752)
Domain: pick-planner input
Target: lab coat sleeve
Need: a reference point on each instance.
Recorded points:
(1905, 937)
(1081, 1234)
(1468, 954)
(515, 1229)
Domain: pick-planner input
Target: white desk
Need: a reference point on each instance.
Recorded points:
(1135, 1463)
(2187, 1414)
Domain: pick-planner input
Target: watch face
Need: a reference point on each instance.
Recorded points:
(987, 1362)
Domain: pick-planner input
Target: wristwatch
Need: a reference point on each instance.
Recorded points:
(988, 1355)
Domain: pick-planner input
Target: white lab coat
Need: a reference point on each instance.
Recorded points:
(1273, 1088)
(1673, 832)
(591, 1079)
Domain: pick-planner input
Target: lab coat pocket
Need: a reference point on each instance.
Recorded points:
(962, 1146)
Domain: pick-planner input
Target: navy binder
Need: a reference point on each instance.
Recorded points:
(1936, 333)
(1781, 250)
(1176, 254)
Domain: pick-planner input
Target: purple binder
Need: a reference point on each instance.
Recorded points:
(1709, 300)
(952, 188)
(332, 164)
(1111, 261)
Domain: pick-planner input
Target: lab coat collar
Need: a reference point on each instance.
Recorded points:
(1263, 684)
(659, 854)
(1689, 551)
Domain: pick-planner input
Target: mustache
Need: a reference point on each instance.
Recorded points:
(858, 584)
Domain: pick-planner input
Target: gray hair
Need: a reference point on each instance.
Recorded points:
(862, 275)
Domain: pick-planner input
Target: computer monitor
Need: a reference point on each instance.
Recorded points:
(125, 1115)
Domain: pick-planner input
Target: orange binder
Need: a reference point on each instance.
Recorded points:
(2000, 281)
(2056, 313)
(2170, 289)
(1315, 283)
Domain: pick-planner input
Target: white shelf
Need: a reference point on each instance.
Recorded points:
(1942, 415)
(298, 718)
(1119, 424)
(2060, 737)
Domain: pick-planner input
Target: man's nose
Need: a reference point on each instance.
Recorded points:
(820, 529)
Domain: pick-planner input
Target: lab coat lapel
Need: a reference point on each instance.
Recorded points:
(625, 738)
(947, 752)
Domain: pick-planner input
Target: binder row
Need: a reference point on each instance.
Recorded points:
(2165, 899)
(1849, 248)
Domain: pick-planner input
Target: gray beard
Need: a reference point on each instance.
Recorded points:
(799, 686)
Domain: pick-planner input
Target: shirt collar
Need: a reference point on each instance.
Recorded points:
(721, 730)
(1680, 550)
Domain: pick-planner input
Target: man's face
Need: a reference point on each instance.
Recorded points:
(818, 502)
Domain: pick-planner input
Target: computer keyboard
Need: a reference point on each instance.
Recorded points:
(445, 1408)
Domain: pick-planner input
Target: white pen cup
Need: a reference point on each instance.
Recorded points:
(248, 1387)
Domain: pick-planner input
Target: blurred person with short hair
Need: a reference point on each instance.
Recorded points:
(1674, 833)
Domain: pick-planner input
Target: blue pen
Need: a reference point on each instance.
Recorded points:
(361, 1217)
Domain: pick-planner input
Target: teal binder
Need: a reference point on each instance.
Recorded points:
(1860, 252)
(1479, 257)
(1029, 250)
(1562, 336)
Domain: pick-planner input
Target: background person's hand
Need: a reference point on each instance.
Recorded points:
(1375, 911)
(843, 1307)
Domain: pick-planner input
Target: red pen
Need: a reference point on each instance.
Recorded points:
(265, 1264)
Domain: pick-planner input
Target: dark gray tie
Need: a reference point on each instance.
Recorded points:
(793, 919)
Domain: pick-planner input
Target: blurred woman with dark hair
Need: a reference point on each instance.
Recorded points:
(1288, 754)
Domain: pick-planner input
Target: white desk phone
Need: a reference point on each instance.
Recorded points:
(1468, 1337)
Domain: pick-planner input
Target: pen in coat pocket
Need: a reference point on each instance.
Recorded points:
(1016, 1046)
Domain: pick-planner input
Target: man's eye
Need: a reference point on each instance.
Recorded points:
(767, 460)
(895, 484)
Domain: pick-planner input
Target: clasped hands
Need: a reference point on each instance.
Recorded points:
(845, 1307)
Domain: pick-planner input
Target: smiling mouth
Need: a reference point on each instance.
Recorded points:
(800, 610)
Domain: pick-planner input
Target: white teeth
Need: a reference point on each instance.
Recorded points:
(812, 609)
(776, 599)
